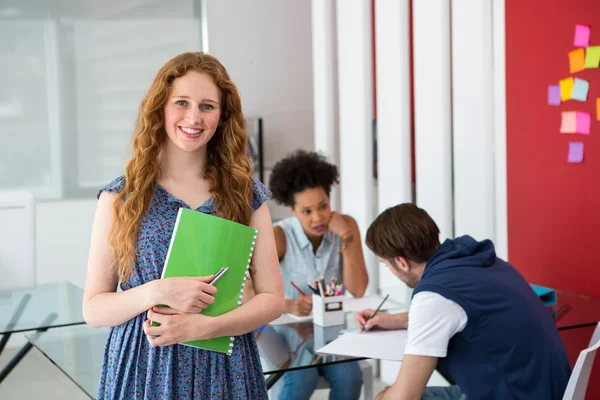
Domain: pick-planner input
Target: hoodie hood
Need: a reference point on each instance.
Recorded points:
(464, 251)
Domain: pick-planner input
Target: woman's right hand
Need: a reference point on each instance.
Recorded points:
(301, 307)
(187, 295)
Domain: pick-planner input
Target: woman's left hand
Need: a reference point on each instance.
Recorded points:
(175, 327)
(338, 225)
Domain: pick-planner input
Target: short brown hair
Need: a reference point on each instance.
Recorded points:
(405, 231)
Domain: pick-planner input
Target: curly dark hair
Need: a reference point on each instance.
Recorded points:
(299, 171)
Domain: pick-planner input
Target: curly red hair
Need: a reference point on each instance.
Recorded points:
(227, 166)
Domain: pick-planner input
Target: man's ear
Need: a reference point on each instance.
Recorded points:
(402, 263)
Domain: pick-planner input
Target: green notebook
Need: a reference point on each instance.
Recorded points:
(201, 244)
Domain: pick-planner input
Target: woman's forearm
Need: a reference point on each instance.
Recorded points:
(355, 281)
(355, 271)
(288, 306)
(260, 310)
(111, 309)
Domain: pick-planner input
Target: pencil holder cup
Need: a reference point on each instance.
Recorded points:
(328, 311)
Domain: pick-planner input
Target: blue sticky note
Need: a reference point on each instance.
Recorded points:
(547, 295)
(580, 90)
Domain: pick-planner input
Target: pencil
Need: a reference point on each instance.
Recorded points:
(375, 312)
(297, 288)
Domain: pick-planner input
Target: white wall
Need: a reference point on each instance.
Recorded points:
(63, 240)
(266, 47)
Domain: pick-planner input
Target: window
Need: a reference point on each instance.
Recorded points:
(72, 84)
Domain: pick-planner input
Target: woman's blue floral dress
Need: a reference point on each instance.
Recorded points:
(132, 369)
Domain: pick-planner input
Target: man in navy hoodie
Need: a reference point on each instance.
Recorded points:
(472, 315)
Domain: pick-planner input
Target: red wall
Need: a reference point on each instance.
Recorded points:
(553, 206)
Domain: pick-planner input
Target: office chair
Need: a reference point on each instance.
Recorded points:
(580, 376)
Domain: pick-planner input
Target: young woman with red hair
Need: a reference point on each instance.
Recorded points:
(188, 151)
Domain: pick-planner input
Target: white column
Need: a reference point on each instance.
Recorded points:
(53, 94)
(394, 180)
(323, 58)
(204, 25)
(472, 108)
(355, 118)
(393, 102)
(433, 135)
(499, 118)
(394, 183)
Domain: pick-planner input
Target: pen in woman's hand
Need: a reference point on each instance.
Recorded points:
(219, 275)
(374, 312)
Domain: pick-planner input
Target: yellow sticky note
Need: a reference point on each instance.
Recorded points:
(598, 109)
(577, 60)
(566, 88)
(592, 58)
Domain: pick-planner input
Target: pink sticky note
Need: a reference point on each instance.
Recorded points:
(569, 122)
(575, 152)
(584, 121)
(582, 36)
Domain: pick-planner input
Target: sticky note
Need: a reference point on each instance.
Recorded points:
(583, 123)
(582, 36)
(566, 88)
(569, 122)
(580, 89)
(575, 152)
(592, 57)
(554, 95)
(576, 60)
(598, 109)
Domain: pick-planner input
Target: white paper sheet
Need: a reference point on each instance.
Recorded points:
(381, 345)
(286, 318)
(357, 304)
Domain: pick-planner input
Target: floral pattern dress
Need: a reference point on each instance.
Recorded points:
(133, 369)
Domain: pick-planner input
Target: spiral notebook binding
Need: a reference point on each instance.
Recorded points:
(246, 276)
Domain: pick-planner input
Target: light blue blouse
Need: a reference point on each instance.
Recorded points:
(301, 264)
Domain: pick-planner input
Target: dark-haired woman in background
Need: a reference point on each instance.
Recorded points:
(315, 243)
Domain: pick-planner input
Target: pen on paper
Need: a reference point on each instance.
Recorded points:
(375, 312)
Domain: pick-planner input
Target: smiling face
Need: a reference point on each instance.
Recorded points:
(192, 111)
(312, 208)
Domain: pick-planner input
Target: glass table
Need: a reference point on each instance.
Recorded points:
(37, 309)
(78, 351)
(573, 311)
